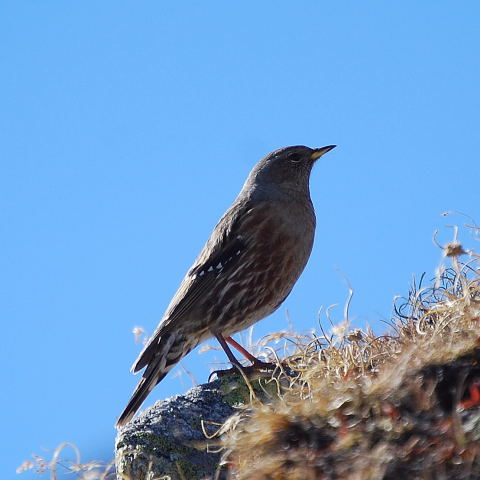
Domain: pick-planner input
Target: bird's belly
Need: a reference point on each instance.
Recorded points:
(259, 284)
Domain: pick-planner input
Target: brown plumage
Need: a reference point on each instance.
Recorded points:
(246, 269)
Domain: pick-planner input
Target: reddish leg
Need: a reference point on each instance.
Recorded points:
(227, 350)
(257, 364)
(244, 352)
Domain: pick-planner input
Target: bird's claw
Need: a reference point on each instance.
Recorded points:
(257, 367)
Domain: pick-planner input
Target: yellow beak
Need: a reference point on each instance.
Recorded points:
(318, 152)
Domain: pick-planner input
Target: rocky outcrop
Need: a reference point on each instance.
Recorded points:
(171, 439)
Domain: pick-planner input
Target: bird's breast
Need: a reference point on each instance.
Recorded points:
(278, 245)
(284, 240)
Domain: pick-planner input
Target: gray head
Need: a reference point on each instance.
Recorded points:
(285, 169)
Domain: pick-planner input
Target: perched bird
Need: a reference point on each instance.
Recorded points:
(246, 269)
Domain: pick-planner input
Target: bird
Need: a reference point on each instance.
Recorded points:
(246, 269)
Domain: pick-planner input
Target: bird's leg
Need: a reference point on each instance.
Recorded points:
(244, 352)
(227, 350)
(258, 365)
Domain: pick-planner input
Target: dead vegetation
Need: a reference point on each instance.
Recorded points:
(58, 465)
(367, 407)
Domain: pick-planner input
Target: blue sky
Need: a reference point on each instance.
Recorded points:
(127, 128)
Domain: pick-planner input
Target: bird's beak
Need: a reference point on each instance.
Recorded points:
(318, 152)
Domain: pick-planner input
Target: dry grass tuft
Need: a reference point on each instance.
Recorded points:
(57, 466)
(370, 407)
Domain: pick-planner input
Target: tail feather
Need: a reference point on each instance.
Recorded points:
(144, 387)
(158, 344)
(170, 350)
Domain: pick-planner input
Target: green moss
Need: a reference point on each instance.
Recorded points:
(196, 423)
(150, 445)
(236, 392)
(162, 444)
(186, 469)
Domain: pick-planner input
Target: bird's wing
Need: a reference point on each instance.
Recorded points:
(221, 253)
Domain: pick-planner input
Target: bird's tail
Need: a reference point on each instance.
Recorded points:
(143, 388)
(163, 354)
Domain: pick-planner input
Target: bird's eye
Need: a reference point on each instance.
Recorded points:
(295, 157)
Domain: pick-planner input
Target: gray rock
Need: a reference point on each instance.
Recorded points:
(167, 440)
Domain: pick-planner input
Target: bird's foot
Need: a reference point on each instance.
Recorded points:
(257, 367)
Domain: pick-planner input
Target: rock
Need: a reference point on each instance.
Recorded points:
(167, 440)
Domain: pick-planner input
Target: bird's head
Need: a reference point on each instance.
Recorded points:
(286, 169)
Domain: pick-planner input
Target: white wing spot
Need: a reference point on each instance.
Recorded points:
(219, 266)
(210, 269)
(201, 273)
(238, 252)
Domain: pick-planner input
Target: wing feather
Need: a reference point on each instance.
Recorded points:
(221, 253)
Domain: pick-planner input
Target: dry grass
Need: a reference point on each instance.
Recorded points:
(368, 407)
(58, 465)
